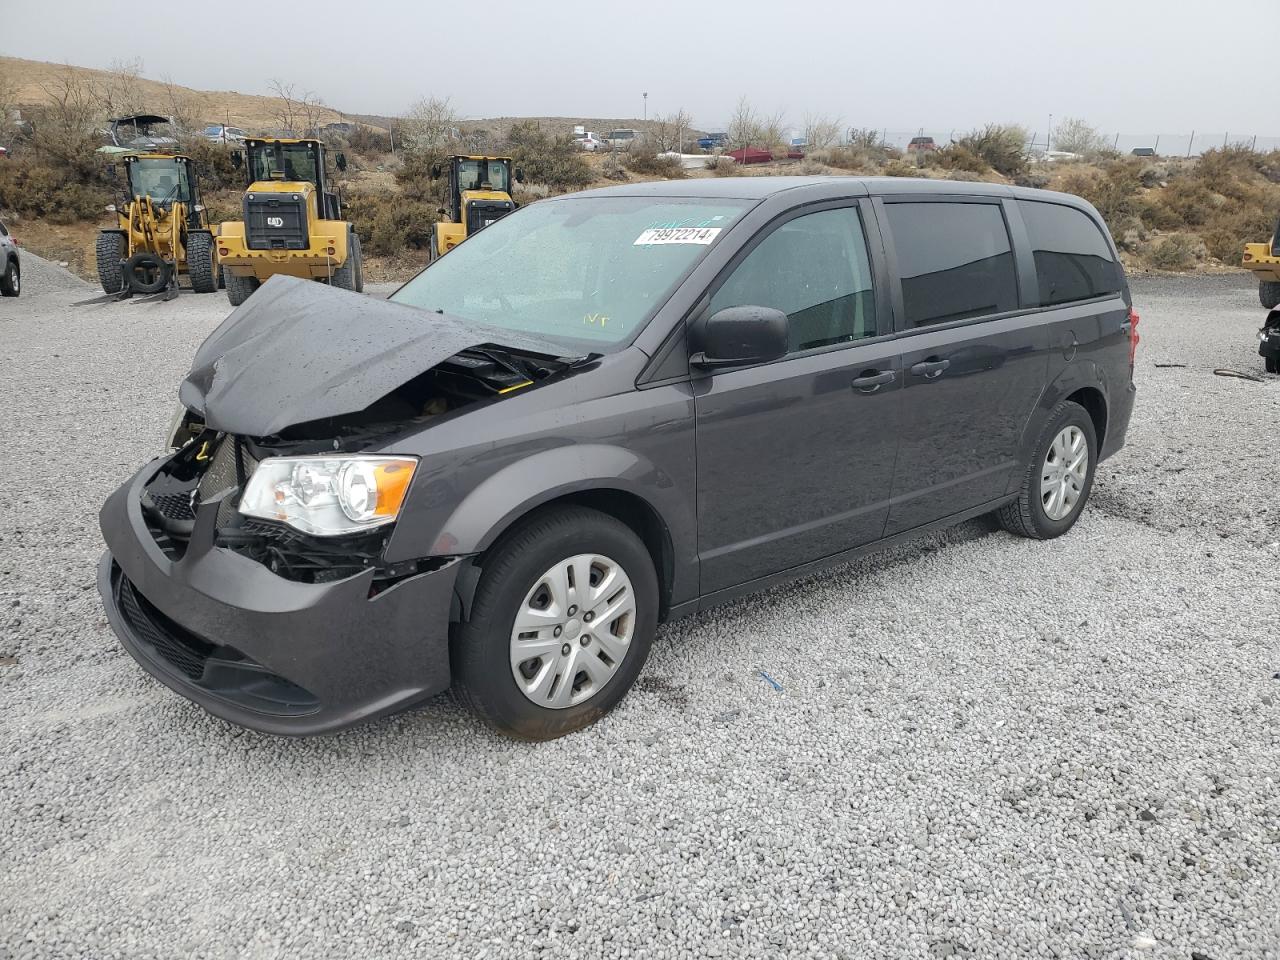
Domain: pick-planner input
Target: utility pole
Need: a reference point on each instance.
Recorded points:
(1048, 135)
(1191, 143)
(646, 106)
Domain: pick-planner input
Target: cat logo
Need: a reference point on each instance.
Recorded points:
(275, 221)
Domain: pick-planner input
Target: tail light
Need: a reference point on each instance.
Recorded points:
(1133, 336)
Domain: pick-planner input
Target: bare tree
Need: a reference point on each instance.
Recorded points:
(182, 107)
(671, 131)
(1077, 136)
(119, 93)
(820, 131)
(8, 99)
(64, 127)
(743, 124)
(430, 123)
(298, 112)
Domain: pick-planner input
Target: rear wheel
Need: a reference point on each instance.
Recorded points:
(11, 279)
(1058, 479)
(1269, 293)
(238, 288)
(562, 622)
(200, 262)
(109, 252)
(1273, 364)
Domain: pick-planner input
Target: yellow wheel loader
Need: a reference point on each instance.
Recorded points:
(479, 194)
(1264, 260)
(292, 223)
(163, 231)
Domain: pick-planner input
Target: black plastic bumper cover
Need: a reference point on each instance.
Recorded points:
(345, 657)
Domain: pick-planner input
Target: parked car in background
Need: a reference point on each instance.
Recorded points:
(621, 139)
(750, 155)
(921, 145)
(219, 133)
(589, 142)
(10, 266)
(4, 153)
(714, 141)
(529, 465)
(1143, 151)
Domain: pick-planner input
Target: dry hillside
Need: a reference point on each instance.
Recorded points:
(35, 81)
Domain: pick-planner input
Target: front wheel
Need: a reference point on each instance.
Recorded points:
(1269, 293)
(11, 280)
(561, 625)
(239, 289)
(1058, 479)
(202, 265)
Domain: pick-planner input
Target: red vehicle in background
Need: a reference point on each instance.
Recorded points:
(921, 145)
(751, 155)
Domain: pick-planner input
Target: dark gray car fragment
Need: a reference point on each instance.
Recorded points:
(299, 351)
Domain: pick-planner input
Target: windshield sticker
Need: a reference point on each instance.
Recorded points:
(702, 235)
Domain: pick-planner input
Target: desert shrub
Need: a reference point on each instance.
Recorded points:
(612, 169)
(957, 156)
(722, 166)
(1036, 179)
(213, 165)
(650, 163)
(1077, 136)
(547, 159)
(1001, 146)
(415, 175)
(849, 158)
(31, 187)
(900, 168)
(1113, 188)
(388, 223)
(1175, 252)
(1189, 200)
(368, 141)
(1226, 233)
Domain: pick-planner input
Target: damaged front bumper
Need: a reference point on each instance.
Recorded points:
(262, 651)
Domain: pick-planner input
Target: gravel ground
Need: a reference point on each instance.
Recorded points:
(982, 746)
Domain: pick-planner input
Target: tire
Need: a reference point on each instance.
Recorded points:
(1269, 293)
(200, 266)
(349, 274)
(1027, 516)
(1273, 364)
(142, 263)
(11, 279)
(513, 569)
(239, 289)
(109, 253)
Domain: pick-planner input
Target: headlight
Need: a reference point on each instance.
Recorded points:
(328, 496)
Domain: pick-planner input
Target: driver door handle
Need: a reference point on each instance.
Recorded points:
(929, 369)
(872, 380)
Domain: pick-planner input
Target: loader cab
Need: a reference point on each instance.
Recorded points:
(166, 179)
(292, 161)
(479, 193)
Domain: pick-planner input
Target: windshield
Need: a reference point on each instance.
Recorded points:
(588, 272)
(484, 174)
(283, 161)
(164, 181)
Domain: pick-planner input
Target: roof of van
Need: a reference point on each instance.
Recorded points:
(761, 187)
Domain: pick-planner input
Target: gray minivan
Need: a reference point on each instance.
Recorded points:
(605, 411)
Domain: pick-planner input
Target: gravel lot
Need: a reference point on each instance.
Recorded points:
(982, 746)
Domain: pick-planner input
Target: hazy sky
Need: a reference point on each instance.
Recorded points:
(1136, 66)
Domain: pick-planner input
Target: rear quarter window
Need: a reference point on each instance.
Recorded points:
(954, 259)
(1073, 259)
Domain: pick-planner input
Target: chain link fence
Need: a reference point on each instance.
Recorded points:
(1188, 144)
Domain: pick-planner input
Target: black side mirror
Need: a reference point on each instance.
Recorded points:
(740, 335)
(435, 172)
(341, 161)
(237, 159)
(519, 175)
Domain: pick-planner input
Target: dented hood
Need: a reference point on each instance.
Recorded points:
(298, 351)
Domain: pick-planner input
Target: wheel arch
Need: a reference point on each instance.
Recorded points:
(612, 480)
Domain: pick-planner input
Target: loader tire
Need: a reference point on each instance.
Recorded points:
(147, 272)
(109, 252)
(1269, 293)
(200, 266)
(350, 276)
(238, 288)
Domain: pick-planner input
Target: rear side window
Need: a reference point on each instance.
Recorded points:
(815, 270)
(954, 259)
(1073, 260)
